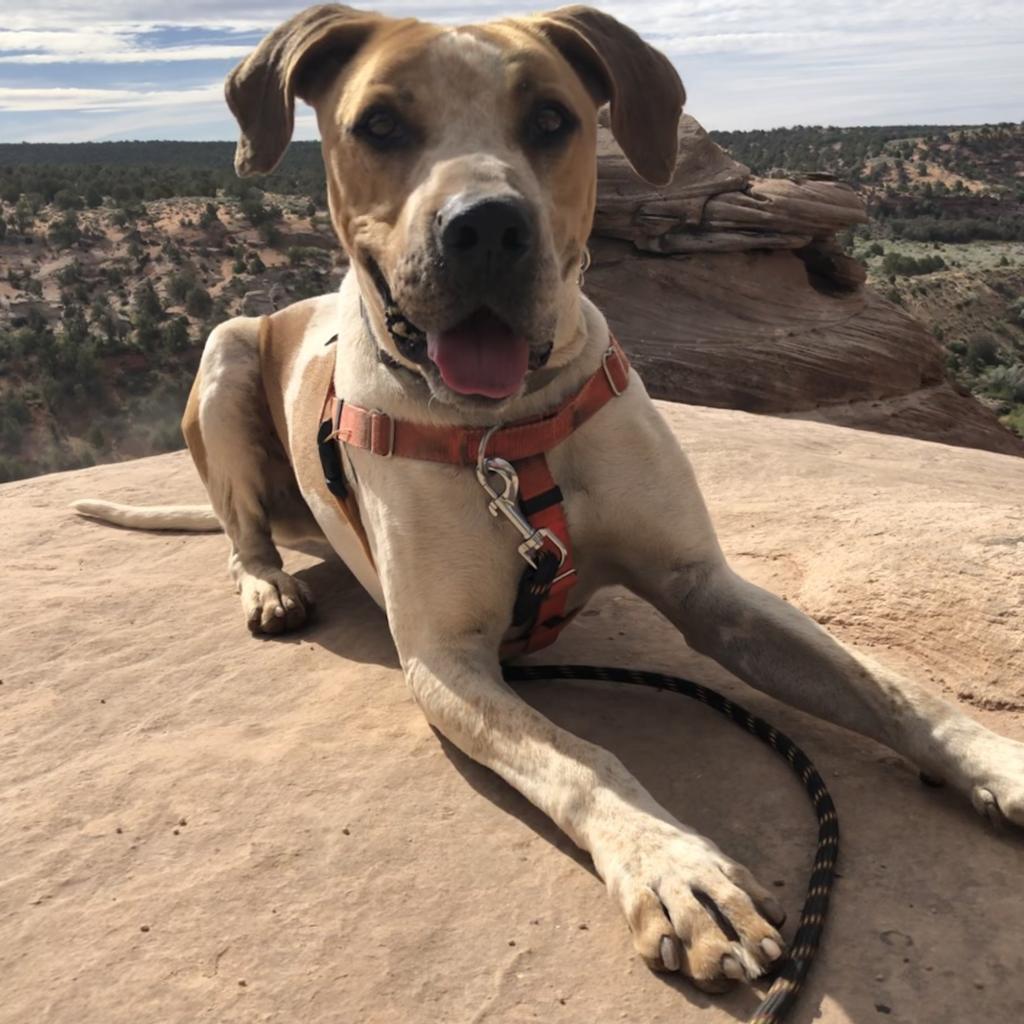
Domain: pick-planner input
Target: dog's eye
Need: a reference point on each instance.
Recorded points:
(381, 125)
(549, 124)
(381, 128)
(549, 121)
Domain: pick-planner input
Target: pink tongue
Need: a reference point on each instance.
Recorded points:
(480, 356)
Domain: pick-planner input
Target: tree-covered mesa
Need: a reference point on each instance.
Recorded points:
(85, 174)
(116, 260)
(922, 182)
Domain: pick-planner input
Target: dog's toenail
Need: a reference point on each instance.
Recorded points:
(669, 954)
(771, 949)
(731, 968)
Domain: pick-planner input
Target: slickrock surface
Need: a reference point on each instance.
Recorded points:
(200, 826)
(730, 291)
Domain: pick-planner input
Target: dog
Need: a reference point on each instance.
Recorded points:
(461, 175)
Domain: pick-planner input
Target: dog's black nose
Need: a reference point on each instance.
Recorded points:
(486, 236)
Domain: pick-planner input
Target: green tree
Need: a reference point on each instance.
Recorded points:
(65, 232)
(982, 350)
(68, 199)
(209, 217)
(175, 335)
(24, 215)
(198, 302)
(147, 315)
(180, 283)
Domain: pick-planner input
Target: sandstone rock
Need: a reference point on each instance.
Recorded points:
(187, 808)
(257, 303)
(728, 290)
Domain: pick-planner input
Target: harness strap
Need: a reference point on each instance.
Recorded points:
(383, 435)
(543, 594)
(334, 473)
(544, 591)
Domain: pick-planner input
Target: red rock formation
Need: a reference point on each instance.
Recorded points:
(731, 291)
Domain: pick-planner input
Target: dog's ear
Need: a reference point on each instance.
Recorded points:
(640, 83)
(292, 61)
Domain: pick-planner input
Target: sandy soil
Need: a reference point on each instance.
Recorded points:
(200, 826)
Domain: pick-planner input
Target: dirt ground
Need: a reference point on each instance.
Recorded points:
(201, 826)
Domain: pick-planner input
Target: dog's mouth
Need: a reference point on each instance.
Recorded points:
(481, 355)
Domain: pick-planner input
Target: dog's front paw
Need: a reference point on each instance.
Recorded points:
(994, 772)
(275, 602)
(691, 908)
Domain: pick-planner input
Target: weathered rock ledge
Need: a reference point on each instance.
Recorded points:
(731, 291)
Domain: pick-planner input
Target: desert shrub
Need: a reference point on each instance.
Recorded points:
(1005, 382)
(896, 264)
(68, 199)
(180, 283)
(982, 350)
(258, 213)
(198, 302)
(24, 214)
(270, 233)
(1015, 420)
(13, 469)
(69, 274)
(209, 217)
(65, 231)
(175, 335)
(299, 255)
(146, 302)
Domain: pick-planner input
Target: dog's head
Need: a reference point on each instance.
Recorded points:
(461, 170)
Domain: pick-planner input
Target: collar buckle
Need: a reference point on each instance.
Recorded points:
(382, 428)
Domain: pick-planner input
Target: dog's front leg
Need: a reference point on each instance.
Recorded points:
(778, 649)
(689, 907)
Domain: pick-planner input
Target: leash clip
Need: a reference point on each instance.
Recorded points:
(506, 501)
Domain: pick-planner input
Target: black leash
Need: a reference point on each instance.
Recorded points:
(800, 956)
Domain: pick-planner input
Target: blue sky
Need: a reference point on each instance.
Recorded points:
(75, 70)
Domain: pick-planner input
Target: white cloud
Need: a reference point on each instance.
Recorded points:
(17, 99)
(163, 55)
(746, 63)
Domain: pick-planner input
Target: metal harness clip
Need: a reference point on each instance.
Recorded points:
(506, 503)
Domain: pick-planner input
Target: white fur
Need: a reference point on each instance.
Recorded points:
(447, 574)
(189, 518)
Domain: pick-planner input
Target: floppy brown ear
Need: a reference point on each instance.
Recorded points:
(261, 91)
(643, 87)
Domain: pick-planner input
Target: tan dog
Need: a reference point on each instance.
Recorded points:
(461, 172)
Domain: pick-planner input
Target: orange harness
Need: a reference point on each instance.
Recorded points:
(512, 457)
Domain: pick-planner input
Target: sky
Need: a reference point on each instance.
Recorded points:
(82, 70)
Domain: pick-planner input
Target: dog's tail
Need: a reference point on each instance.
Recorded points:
(190, 518)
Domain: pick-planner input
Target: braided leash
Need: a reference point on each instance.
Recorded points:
(793, 971)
